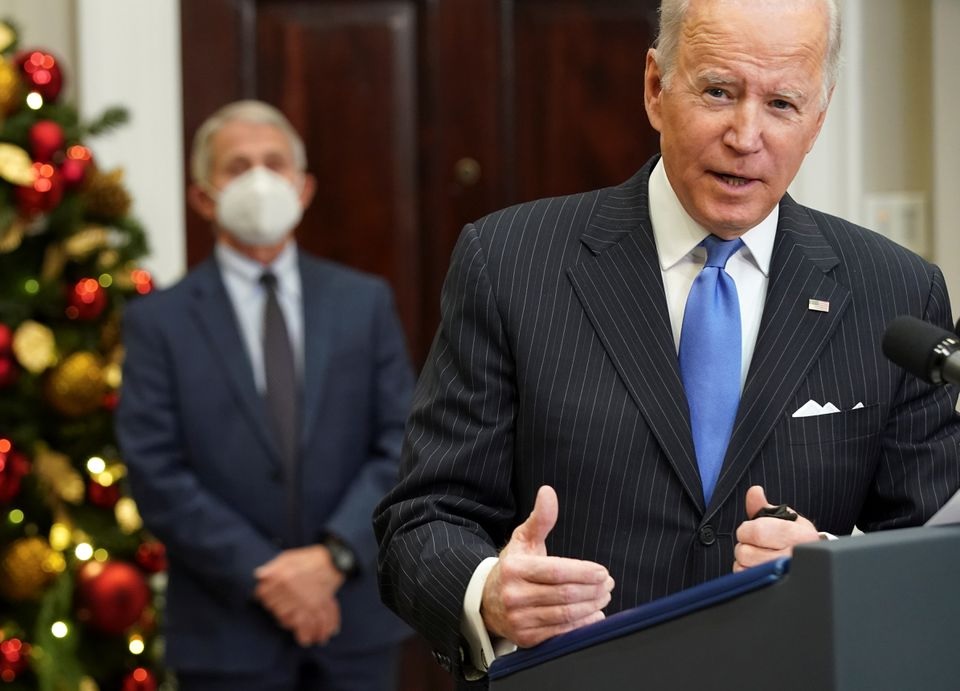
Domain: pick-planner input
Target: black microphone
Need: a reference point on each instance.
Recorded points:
(924, 350)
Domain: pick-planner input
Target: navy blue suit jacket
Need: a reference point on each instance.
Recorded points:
(555, 364)
(206, 471)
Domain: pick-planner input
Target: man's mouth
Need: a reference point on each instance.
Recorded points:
(734, 180)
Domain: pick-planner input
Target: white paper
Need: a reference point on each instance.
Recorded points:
(948, 513)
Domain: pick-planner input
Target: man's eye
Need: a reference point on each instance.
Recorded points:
(716, 92)
(780, 104)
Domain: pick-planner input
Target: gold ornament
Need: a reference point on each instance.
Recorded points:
(128, 516)
(7, 36)
(15, 164)
(86, 241)
(76, 386)
(10, 85)
(54, 260)
(27, 567)
(57, 474)
(88, 684)
(12, 236)
(34, 346)
(105, 195)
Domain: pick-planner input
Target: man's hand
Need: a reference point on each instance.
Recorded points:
(299, 588)
(529, 597)
(764, 539)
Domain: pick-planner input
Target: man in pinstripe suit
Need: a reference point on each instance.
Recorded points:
(550, 472)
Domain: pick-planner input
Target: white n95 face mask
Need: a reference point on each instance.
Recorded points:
(259, 207)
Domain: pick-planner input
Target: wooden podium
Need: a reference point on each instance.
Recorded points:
(877, 612)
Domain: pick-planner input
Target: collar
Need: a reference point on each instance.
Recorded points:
(240, 267)
(677, 235)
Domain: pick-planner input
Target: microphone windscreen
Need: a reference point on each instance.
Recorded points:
(911, 343)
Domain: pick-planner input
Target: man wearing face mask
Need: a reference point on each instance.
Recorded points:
(261, 417)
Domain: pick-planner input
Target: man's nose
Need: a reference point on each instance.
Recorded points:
(744, 133)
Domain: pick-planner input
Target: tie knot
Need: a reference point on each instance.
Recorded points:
(268, 280)
(719, 251)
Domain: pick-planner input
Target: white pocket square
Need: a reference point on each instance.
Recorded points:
(811, 408)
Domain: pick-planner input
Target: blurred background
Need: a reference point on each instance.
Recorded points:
(422, 115)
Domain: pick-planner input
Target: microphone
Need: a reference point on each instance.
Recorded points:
(924, 350)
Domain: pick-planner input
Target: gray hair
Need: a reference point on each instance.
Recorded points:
(674, 12)
(250, 111)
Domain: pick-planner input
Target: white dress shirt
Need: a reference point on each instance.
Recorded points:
(677, 238)
(241, 277)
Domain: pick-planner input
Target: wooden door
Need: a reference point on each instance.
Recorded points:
(422, 115)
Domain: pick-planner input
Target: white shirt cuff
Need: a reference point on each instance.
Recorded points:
(483, 649)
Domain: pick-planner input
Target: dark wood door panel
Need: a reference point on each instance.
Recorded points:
(578, 89)
(345, 74)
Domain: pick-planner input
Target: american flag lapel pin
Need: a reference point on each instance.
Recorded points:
(818, 305)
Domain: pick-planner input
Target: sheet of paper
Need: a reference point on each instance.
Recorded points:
(948, 513)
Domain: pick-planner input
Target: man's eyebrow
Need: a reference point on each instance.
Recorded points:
(790, 94)
(711, 77)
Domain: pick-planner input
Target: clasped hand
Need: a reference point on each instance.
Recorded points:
(530, 596)
(299, 587)
(764, 539)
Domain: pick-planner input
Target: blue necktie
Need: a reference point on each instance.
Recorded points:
(710, 359)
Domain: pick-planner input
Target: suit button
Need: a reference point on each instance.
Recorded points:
(707, 535)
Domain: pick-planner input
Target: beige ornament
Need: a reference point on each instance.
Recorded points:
(34, 346)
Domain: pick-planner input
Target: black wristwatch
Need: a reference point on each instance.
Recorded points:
(344, 560)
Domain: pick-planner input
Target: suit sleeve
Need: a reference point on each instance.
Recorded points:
(453, 505)
(919, 466)
(202, 532)
(392, 384)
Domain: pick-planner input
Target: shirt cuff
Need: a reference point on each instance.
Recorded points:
(482, 649)
(827, 536)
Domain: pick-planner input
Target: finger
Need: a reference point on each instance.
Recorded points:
(756, 499)
(558, 615)
(523, 594)
(552, 570)
(532, 533)
(532, 637)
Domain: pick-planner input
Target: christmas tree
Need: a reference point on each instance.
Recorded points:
(79, 577)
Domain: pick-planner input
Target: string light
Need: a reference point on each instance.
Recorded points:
(15, 516)
(34, 101)
(59, 629)
(83, 551)
(96, 465)
(136, 644)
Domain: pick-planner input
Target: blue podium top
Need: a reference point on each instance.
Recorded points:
(670, 607)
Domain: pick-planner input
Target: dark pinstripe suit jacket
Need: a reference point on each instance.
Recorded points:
(555, 363)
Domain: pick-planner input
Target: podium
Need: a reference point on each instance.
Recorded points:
(878, 612)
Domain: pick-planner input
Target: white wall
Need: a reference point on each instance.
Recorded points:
(129, 54)
(946, 142)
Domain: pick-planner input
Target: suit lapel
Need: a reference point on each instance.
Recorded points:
(213, 311)
(621, 289)
(319, 326)
(791, 337)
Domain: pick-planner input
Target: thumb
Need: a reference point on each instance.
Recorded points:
(756, 500)
(532, 533)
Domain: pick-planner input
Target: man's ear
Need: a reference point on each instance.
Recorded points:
(653, 90)
(201, 202)
(307, 190)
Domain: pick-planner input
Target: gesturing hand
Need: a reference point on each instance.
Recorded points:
(529, 596)
(764, 539)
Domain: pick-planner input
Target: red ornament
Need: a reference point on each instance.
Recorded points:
(13, 467)
(6, 339)
(140, 679)
(86, 300)
(41, 72)
(46, 139)
(9, 372)
(45, 192)
(110, 596)
(74, 167)
(152, 556)
(103, 496)
(14, 658)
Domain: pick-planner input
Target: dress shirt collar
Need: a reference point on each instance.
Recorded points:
(242, 268)
(677, 234)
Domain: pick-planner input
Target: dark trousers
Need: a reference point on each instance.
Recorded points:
(366, 671)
